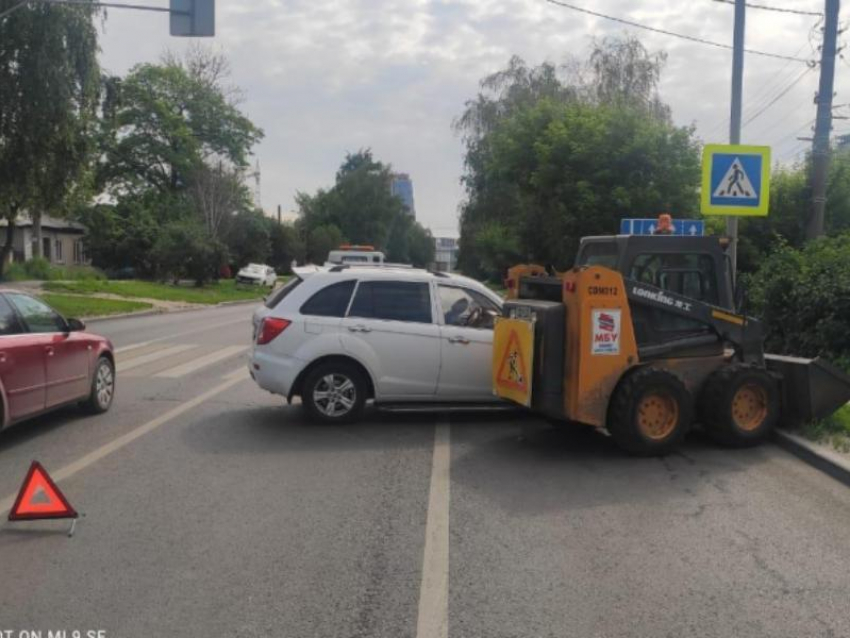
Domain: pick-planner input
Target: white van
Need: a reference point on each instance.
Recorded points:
(355, 255)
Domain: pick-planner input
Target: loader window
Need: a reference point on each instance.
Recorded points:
(689, 274)
(598, 253)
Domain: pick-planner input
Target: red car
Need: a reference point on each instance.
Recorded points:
(47, 361)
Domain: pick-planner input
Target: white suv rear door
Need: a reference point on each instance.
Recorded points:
(390, 328)
(466, 350)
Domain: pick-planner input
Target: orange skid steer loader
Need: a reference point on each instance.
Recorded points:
(642, 338)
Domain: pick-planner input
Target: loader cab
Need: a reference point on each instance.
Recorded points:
(696, 267)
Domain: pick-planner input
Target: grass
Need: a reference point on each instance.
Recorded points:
(42, 270)
(213, 293)
(834, 430)
(77, 307)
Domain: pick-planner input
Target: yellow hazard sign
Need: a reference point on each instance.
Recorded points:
(513, 358)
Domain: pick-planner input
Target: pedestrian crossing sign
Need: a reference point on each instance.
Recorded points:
(735, 180)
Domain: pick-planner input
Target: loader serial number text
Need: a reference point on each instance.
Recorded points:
(602, 290)
(52, 633)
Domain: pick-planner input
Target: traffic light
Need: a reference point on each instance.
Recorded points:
(192, 18)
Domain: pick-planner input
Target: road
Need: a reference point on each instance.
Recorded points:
(213, 509)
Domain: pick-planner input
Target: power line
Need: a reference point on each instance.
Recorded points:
(779, 95)
(13, 8)
(682, 36)
(765, 7)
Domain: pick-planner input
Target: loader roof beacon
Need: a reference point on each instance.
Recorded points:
(735, 180)
(642, 337)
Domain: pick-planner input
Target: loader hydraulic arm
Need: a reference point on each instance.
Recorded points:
(743, 333)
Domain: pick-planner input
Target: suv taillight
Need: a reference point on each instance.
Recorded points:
(270, 328)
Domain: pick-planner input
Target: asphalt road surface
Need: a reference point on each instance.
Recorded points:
(213, 509)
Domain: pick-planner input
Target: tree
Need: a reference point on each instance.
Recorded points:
(186, 249)
(49, 80)
(359, 204)
(217, 194)
(167, 122)
(421, 246)
(321, 240)
(552, 156)
(249, 238)
(286, 247)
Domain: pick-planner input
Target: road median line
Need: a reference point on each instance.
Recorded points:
(124, 440)
(433, 621)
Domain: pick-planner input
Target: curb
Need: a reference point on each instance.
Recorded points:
(817, 455)
(149, 313)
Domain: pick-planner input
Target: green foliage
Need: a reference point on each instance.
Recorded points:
(790, 205)
(210, 293)
(551, 159)
(39, 269)
(165, 121)
(185, 249)
(322, 240)
(360, 209)
(74, 306)
(286, 246)
(49, 83)
(249, 238)
(803, 297)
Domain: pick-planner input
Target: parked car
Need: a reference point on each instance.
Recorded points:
(47, 361)
(257, 274)
(340, 336)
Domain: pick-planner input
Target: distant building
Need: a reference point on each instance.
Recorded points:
(445, 254)
(402, 187)
(62, 240)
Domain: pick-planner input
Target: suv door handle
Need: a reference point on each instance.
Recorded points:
(359, 329)
(461, 340)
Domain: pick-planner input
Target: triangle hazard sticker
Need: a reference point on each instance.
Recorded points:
(735, 184)
(512, 372)
(40, 498)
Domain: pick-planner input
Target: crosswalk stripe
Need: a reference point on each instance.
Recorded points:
(201, 362)
(153, 356)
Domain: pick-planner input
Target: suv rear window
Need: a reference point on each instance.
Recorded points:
(392, 300)
(277, 296)
(330, 301)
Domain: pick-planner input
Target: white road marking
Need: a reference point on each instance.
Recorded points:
(122, 441)
(434, 591)
(201, 362)
(141, 344)
(124, 366)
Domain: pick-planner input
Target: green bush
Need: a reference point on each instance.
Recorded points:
(39, 269)
(186, 249)
(803, 297)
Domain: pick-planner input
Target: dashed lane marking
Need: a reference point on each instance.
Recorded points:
(433, 619)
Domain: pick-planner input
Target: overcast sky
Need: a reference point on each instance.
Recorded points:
(324, 77)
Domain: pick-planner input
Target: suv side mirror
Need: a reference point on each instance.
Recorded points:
(75, 325)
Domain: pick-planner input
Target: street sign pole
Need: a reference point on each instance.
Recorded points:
(735, 116)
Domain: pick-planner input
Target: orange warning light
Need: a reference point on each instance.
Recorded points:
(39, 498)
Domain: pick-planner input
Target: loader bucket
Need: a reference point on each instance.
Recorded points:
(811, 388)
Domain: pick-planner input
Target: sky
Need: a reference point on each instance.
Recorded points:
(326, 77)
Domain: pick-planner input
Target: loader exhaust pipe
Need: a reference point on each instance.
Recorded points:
(811, 388)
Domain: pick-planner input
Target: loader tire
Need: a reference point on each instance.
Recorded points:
(650, 412)
(739, 405)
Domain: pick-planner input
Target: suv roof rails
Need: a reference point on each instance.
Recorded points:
(438, 273)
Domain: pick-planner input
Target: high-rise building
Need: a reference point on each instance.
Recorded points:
(445, 253)
(402, 187)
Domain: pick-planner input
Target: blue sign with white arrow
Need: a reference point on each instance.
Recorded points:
(680, 227)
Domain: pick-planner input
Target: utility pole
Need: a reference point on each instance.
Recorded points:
(823, 123)
(278, 215)
(735, 115)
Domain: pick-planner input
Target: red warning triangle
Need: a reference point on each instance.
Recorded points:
(515, 375)
(40, 498)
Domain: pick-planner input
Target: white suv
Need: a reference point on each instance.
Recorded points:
(340, 336)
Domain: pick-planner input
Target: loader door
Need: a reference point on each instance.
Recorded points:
(693, 275)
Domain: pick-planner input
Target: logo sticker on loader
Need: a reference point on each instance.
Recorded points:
(512, 358)
(606, 332)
